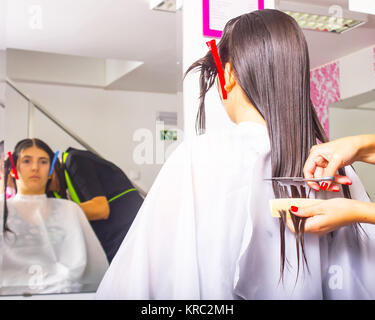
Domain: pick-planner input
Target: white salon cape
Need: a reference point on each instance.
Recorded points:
(205, 231)
(51, 249)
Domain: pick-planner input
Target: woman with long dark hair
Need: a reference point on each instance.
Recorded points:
(47, 245)
(205, 230)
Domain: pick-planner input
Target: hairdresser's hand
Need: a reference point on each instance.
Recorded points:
(329, 215)
(325, 159)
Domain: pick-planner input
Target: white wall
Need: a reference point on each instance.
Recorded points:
(16, 115)
(2, 123)
(357, 74)
(3, 10)
(2, 75)
(353, 122)
(2, 94)
(25, 65)
(2, 64)
(194, 47)
(104, 119)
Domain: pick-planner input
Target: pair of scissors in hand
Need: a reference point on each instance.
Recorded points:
(300, 179)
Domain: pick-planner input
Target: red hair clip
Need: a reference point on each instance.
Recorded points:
(212, 46)
(13, 167)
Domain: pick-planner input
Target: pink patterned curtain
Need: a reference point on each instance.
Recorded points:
(324, 90)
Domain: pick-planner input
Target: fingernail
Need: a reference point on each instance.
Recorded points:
(336, 189)
(324, 185)
(349, 183)
(294, 209)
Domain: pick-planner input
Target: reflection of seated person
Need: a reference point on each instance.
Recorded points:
(104, 193)
(47, 245)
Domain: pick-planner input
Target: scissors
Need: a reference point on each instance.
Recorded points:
(300, 179)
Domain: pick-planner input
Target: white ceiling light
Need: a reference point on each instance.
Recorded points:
(166, 5)
(333, 19)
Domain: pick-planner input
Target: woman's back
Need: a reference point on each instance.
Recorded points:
(222, 169)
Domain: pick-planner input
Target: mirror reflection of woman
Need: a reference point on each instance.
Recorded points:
(48, 245)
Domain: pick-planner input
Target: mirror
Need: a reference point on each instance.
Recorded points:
(105, 79)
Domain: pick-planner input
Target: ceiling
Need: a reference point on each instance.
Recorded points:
(129, 30)
(112, 29)
(326, 47)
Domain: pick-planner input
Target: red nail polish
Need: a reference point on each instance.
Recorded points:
(348, 183)
(294, 209)
(336, 190)
(324, 186)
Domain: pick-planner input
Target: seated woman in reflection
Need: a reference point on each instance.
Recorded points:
(47, 245)
(205, 229)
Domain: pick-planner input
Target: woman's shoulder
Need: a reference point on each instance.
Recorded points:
(246, 135)
(69, 205)
(233, 149)
(247, 139)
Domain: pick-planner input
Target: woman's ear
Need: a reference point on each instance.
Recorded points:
(230, 81)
